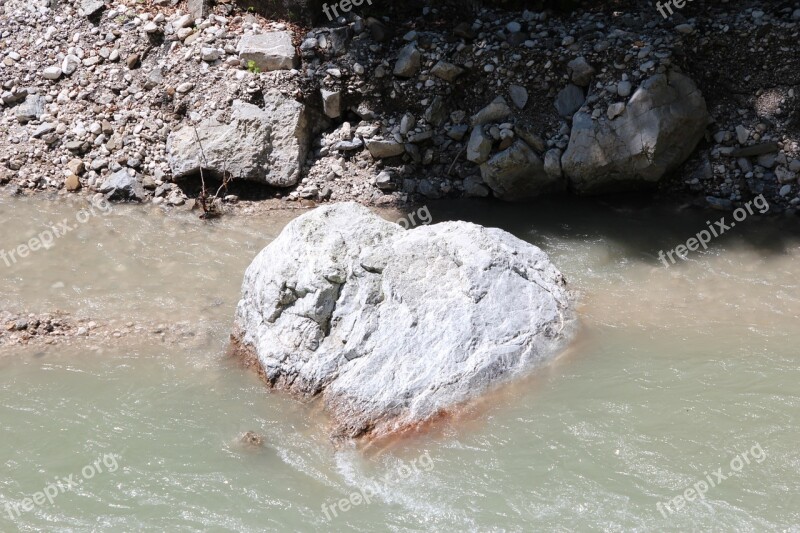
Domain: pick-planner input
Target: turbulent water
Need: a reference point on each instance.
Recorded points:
(679, 374)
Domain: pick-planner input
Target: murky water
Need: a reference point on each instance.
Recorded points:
(677, 373)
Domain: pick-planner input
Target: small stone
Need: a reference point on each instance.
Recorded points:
(52, 73)
(72, 183)
(384, 181)
(518, 95)
(70, 64)
(209, 54)
(408, 62)
(151, 27)
(580, 71)
(513, 27)
(742, 134)
(624, 88)
(615, 110)
(446, 71)
(132, 61)
(185, 87)
(332, 103)
(75, 166)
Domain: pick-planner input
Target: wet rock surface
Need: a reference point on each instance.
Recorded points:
(394, 327)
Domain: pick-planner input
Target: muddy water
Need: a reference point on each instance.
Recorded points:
(678, 371)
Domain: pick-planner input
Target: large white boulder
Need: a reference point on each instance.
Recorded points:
(394, 327)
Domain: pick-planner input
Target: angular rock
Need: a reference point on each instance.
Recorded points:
(663, 122)
(332, 103)
(494, 112)
(268, 51)
(479, 146)
(580, 71)
(72, 183)
(122, 186)
(394, 327)
(263, 145)
(91, 7)
(517, 174)
(408, 62)
(569, 100)
(198, 9)
(552, 163)
(446, 71)
(31, 109)
(382, 149)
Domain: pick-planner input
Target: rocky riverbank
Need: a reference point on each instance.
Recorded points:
(130, 100)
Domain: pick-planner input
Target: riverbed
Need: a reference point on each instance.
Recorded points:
(677, 373)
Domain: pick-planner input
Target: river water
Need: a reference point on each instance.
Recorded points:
(678, 373)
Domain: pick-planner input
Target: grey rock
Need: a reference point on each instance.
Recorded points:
(518, 95)
(531, 139)
(458, 132)
(615, 110)
(429, 189)
(391, 327)
(785, 175)
(569, 100)
(70, 64)
(91, 7)
(663, 122)
(475, 188)
(479, 146)
(407, 123)
(31, 109)
(198, 9)
(332, 103)
(552, 163)
(349, 146)
(624, 88)
(384, 181)
(580, 71)
(408, 62)
(268, 51)
(122, 186)
(44, 129)
(756, 150)
(263, 145)
(517, 174)
(494, 112)
(447, 71)
(51, 73)
(382, 149)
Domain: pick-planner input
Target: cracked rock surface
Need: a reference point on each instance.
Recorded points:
(395, 327)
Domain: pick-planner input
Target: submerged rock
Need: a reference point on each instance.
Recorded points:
(394, 327)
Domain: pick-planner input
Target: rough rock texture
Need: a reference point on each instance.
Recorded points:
(265, 145)
(660, 126)
(396, 327)
(517, 174)
(268, 51)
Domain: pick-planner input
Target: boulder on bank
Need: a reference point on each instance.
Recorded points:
(657, 131)
(517, 174)
(264, 145)
(394, 327)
